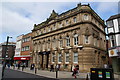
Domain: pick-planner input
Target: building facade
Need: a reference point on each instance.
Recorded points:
(23, 49)
(9, 53)
(113, 27)
(75, 37)
(26, 48)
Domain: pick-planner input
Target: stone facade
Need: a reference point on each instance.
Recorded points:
(76, 37)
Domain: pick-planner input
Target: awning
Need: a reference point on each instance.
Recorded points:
(22, 58)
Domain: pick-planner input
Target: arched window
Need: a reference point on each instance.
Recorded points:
(85, 16)
(74, 19)
(86, 39)
(75, 39)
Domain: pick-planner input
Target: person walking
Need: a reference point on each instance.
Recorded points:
(75, 72)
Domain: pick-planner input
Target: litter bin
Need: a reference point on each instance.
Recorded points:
(101, 74)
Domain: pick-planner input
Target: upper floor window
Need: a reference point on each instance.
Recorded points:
(68, 41)
(26, 48)
(85, 16)
(86, 39)
(54, 44)
(44, 30)
(75, 19)
(95, 42)
(112, 38)
(53, 57)
(54, 27)
(110, 23)
(67, 22)
(59, 57)
(49, 29)
(60, 24)
(49, 45)
(43, 47)
(67, 57)
(61, 43)
(76, 39)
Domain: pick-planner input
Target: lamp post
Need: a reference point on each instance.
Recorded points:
(4, 62)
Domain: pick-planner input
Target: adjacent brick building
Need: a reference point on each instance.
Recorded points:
(25, 48)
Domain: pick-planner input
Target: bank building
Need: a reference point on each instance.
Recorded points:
(75, 37)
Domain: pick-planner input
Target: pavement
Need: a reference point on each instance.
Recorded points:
(0, 71)
(62, 75)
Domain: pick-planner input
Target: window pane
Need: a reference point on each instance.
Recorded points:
(110, 23)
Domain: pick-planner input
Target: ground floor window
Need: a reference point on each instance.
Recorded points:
(67, 57)
(75, 57)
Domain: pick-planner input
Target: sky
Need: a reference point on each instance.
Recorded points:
(18, 17)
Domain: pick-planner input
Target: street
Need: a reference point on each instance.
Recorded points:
(17, 75)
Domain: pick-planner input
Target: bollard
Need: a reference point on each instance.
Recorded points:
(56, 73)
(35, 70)
(87, 77)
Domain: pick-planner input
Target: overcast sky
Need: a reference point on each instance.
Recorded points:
(18, 18)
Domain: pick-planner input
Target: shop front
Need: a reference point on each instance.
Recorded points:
(114, 53)
(24, 59)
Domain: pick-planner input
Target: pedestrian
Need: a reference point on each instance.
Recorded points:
(14, 65)
(105, 66)
(32, 66)
(18, 66)
(51, 68)
(75, 71)
(23, 66)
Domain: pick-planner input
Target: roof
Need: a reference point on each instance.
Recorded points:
(114, 17)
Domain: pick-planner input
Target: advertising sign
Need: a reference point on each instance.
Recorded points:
(100, 74)
(113, 52)
(107, 74)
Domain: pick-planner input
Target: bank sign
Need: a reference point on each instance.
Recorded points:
(113, 52)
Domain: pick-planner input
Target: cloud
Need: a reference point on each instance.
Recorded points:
(18, 17)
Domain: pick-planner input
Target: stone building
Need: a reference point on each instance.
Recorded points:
(75, 37)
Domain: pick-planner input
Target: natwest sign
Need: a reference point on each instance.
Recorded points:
(22, 58)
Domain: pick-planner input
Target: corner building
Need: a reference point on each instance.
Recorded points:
(75, 37)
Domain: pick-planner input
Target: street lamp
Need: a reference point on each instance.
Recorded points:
(4, 62)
